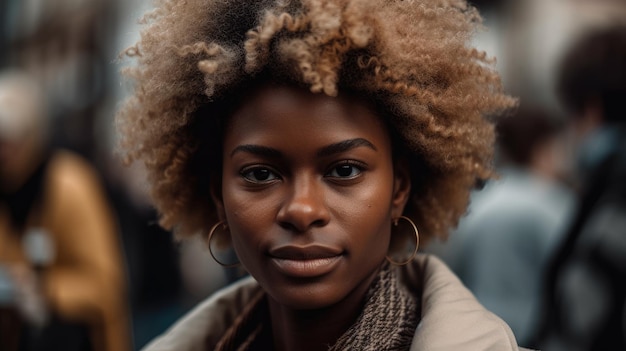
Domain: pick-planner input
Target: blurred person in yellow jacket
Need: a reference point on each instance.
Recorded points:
(61, 266)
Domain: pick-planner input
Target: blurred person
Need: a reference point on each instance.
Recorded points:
(62, 271)
(586, 285)
(501, 248)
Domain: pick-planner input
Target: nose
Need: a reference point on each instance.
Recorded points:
(304, 206)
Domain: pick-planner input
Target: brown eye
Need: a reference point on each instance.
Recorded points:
(345, 170)
(259, 175)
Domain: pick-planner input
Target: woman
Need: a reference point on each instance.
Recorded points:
(314, 137)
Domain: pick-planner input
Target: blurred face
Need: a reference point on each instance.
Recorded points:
(18, 158)
(21, 134)
(308, 192)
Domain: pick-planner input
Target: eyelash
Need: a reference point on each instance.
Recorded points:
(248, 172)
(359, 166)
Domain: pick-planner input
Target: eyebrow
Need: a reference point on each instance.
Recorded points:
(257, 150)
(344, 146)
(328, 150)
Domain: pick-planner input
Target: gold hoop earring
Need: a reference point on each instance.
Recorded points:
(231, 253)
(417, 242)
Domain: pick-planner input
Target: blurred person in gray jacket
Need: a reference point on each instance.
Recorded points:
(586, 285)
(501, 248)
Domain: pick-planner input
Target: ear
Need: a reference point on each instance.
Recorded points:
(215, 187)
(401, 187)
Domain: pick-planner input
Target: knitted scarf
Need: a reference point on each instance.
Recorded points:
(388, 320)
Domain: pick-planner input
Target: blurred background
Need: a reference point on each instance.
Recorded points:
(70, 51)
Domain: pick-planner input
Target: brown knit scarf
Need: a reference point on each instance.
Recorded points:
(388, 320)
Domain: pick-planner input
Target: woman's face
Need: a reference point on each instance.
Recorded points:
(308, 192)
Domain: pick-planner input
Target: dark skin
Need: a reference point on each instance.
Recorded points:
(309, 189)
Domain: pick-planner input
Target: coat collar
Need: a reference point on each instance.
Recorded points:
(452, 319)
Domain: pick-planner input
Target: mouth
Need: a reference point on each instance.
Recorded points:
(305, 261)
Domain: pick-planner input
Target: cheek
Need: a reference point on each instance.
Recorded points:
(241, 217)
(248, 218)
(376, 197)
(246, 240)
(367, 216)
(374, 233)
(378, 210)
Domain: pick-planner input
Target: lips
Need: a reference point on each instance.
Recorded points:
(305, 261)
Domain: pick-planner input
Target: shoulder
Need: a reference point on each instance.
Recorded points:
(452, 318)
(205, 324)
(71, 181)
(74, 189)
(71, 171)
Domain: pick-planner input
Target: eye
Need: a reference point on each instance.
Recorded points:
(346, 170)
(259, 174)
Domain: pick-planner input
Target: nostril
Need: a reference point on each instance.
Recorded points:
(296, 228)
(299, 218)
(288, 226)
(319, 223)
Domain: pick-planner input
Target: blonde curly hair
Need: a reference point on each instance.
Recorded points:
(413, 57)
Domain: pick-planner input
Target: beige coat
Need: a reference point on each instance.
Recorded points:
(86, 280)
(452, 319)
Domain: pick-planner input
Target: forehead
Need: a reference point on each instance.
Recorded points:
(277, 112)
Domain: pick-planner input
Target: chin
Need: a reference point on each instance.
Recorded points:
(306, 296)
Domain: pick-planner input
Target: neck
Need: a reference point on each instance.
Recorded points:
(312, 330)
